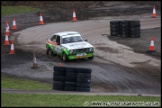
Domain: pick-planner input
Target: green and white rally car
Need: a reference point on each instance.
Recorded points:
(69, 45)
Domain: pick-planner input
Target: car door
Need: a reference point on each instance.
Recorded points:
(52, 41)
(58, 47)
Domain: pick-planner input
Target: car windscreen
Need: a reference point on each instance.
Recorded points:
(72, 39)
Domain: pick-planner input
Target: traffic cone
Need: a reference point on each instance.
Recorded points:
(14, 24)
(152, 48)
(74, 16)
(7, 31)
(154, 12)
(60, 64)
(7, 25)
(35, 64)
(41, 19)
(12, 51)
(6, 41)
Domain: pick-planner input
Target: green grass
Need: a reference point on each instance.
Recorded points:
(62, 100)
(13, 100)
(9, 10)
(21, 83)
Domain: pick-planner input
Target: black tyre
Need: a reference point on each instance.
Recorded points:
(64, 57)
(59, 88)
(91, 58)
(59, 78)
(59, 69)
(135, 35)
(124, 29)
(135, 29)
(135, 32)
(82, 89)
(71, 69)
(114, 26)
(70, 79)
(50, 52)
(67, 88)
(84, 70)
(47, 52)
(124, 35)
(84, 85)
(114, 34)
(134, 23)
(70, 84)
(114, 29)
(58, 85)
(124, 24)
(71, 74)
(114, 22)
(83, 80)
(59, 73)
(83, 75)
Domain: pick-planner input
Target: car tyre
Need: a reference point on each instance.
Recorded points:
(50, 52)
(91, 58)
(64, 57)
(47, 52)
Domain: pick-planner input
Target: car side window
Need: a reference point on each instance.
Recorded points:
(58, 40)
(53, 38)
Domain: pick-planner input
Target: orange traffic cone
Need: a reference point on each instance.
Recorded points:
(7, 25)
(60, 64)
(154, 12)
(74, 16)
(7, 31)
(35, 64)
(14, 24)
(41, 19)
(12, 51)
(152, 48)
(6, 41)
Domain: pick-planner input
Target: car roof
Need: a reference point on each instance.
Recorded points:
(67, 33)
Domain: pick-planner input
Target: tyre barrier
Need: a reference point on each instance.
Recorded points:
(125, 28)
(71, 79)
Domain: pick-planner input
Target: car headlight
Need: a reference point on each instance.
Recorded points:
(71, 51)
(90, 49)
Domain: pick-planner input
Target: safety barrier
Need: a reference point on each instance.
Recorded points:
(71, 79)
(125, 28)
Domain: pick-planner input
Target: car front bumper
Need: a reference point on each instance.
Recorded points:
(87, 55)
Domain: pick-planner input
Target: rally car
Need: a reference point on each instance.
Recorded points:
(69, 45)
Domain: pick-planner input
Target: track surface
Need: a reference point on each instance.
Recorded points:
(115, 67)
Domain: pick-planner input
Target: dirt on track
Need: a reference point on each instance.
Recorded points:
(116, 68)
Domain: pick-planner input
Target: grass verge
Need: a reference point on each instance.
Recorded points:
(12, 82)
(62, 100)
(9, 100)
(9, 10)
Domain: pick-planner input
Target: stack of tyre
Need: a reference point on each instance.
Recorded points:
(125, 28)
(134, 28)
(59, 78)
(115, 28)
(83, 79)
(71, 79)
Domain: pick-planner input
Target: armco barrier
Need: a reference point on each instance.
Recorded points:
(125, 28)
(71, 79)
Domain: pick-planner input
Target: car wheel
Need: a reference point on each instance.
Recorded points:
(90, 58)
(51, 52)
(64, 57)
(47, 52)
